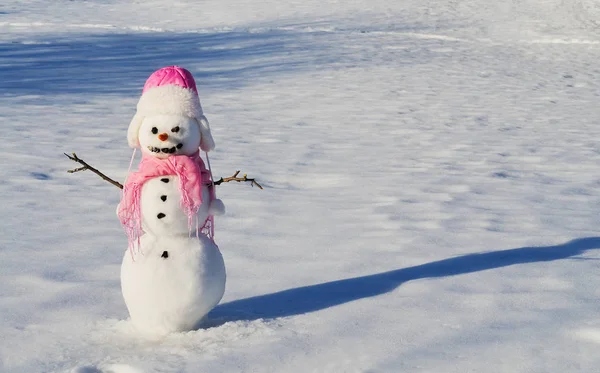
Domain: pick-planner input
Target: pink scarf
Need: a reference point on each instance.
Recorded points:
(192, 175)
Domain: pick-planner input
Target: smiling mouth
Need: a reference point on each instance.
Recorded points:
(171, 150)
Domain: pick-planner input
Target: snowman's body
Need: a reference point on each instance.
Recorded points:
(171, 275)
(174, 278)
(160, 207)
(173, 284)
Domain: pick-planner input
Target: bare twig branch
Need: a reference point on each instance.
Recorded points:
(245, 178)
(77, 169)
(86, 166)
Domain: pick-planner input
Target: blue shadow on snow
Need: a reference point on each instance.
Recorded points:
(118, 64)
(317, 297)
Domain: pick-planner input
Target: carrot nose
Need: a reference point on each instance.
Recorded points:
(163, 137)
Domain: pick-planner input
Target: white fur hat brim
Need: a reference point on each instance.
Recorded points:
(170, 99)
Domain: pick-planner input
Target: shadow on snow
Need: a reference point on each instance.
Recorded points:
(120, 63)
(317, 297)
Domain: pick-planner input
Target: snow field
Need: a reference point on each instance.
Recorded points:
(430, 173)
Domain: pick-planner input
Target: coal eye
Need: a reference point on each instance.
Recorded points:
(154, 130)
(175, 129)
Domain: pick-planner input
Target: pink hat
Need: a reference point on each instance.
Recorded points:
(170, 90)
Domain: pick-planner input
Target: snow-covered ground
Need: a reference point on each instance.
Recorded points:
(431, 173)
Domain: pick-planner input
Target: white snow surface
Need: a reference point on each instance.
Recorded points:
(431, 173)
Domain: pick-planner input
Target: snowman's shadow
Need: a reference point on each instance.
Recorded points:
(311, 298)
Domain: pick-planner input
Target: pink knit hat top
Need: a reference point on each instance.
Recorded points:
(171, 75)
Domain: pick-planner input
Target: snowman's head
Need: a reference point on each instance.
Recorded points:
(164, 135)
(169, 118)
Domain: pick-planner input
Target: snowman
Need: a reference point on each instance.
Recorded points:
(173, 273)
